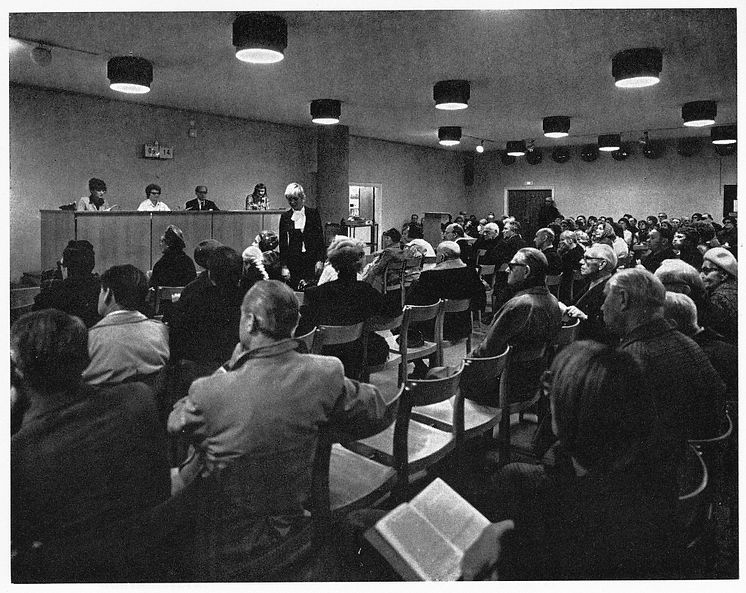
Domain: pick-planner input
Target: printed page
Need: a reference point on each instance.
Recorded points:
(458, 521)
(420, 545)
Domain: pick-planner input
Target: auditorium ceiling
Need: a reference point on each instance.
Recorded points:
(523, 65)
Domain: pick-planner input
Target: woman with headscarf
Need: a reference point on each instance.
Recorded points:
(175, 268)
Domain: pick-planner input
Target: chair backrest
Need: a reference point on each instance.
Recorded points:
(721, 438)
(693, 476)
(307, 339)
(393, 277)
(376, 324)
(567, 335)
(487, 368)
(456, 305)
(167, 293)
(328, 335)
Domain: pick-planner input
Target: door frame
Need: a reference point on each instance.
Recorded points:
(377, 196)
(524, 188)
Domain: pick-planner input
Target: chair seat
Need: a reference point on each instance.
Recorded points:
(426, 445)
(477, 418)
(356, 481)
(412, 353)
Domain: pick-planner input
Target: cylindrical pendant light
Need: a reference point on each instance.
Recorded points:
(556, 126)
(635, 68)
(516, 148)
(451, 94)
(449, 135)
(609, 142)
(128, 74)
(724, 135)
(260, 38)
(480, 147)
(326, 111)
(697, 114)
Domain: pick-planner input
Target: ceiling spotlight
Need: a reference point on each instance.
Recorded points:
(635, 68)
(516, 148)
(724, 135)
(41, 55)
(449, 135)
(451, 94)
(326, 111)
(260, 38)
(480, 147)
(128, 74)
(697, 114)
(609, 142)
(557, 126)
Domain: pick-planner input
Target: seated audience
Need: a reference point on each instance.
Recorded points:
(728, 237)
(570, 253)
(415, 239)
(685, 241)
(455, 232)
(77, 293)
(598, 264)
(492, 243)
(687, 389)
(345, 301)
(204, 324)
(544, 242)
(202, 253)
(174, 268)
(528, 322)
(707, 235)
(85, 464)
(606, 511)
(253, 268)
(681, 310)
(659, 241)
(678, 276)
(720, 276)
(268, 404)
(328, 273)
(125, 345)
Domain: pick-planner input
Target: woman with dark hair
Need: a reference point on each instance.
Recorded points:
(175, 268)
(606, 509)
(642, 231)
(258, 199)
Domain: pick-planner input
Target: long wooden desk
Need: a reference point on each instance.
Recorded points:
(134, 237)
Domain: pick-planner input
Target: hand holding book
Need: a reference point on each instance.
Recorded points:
(480, 560)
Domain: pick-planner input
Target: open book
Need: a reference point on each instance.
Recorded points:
(425, 539)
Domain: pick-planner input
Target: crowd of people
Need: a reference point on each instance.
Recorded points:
(99, 492)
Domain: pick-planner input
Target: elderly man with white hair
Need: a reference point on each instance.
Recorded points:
(719, 273)
(687, 389)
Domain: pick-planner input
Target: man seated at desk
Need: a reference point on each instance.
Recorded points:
(201, 202)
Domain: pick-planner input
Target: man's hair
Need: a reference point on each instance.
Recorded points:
(450, 249)
(275, 308)
(295, 190)
(150, 187)
(415, 231)
(226, 267)
(393, 234)
(546, 232)
(492, 226)
(568, 234)
(515, 226)
(569, 223)
(605, 252)
(203, 251)
(666, 232)
(603, 420)
(537, 262)
(705, 230)
(456, 229)
(346, 257)
(645, 293)
(680, 309)
(677, 271)
(652, 220)
(51, 349)
(79, 258)
(732, 219)
(95, 184)
(128, 284)
(691, 236)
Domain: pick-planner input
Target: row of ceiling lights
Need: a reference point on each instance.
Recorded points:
(261, 38)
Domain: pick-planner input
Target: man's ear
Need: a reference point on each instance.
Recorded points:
(623, 300)
(108, 296)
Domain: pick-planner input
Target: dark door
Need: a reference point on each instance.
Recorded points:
(524, 204)
(729, 199)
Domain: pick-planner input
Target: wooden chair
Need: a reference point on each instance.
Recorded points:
(410, 446)
(433, 350)
(166, 293)
(695, 513)
(307, 339)
(553, 283)
(711, 450)
(477, 418)
(458, 306)
(378, 324)
(576, 277)
(331, 335)
(393, 279)
(487, 275)
(567, 335)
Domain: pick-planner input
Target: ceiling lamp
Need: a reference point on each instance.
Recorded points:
(326, 111)
(697, 114)
(260, 38)
(635, 68)
(449, 135)
(515, 148)
(557, 126)
(451, 94)
(128, 74)
(609, 142)
(724, 135)
(480, 147)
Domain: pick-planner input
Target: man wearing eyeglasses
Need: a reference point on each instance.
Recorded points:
(597, 266)
(201, 202)
(152, 201)
(527, 322)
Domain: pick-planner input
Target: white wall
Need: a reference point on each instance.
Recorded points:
(672, 183)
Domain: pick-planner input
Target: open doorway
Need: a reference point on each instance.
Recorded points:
(525, 204)
(365, 203)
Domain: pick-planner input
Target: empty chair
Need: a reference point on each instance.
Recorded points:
(339, 335)
(410, 446)
(378, 324)
(403, 346)
(458, 306)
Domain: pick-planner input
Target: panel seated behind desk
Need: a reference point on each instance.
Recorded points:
(134, 237)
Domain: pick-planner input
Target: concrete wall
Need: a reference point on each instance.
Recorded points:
(672, 183)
